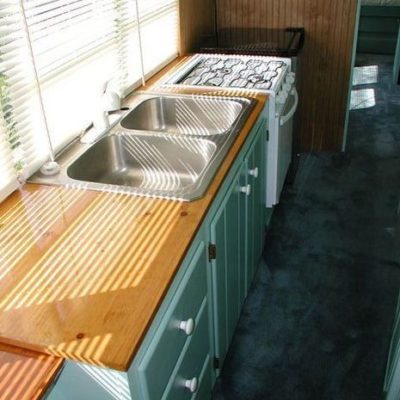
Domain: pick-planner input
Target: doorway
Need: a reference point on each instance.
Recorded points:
(373, 131)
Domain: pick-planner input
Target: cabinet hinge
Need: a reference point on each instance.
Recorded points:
(216, 363)
(212, 251)
(267, 136)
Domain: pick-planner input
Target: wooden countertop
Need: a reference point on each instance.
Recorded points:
(83, 273)
(25, 374)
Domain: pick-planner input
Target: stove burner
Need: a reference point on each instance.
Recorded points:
(231, 62)
(239, 82)
(274, 65)
(255, 78)
(207, 76)
(261, 69)
(215, 82)
(221, 73)
(219, 65)
(237, 72)
(253, 63)
(269, 75)
(263, 85)
(246, 73)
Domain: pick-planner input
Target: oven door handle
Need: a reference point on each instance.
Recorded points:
(289, 115)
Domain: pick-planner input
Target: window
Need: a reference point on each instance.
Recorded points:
(158, 24)
(22, 142)
(56, 56)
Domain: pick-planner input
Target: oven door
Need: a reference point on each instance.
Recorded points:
(285, 140)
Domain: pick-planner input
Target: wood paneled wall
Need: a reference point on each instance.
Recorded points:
(326, 58)
(196, 19)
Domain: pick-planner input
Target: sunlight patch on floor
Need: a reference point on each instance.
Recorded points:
(365, 75)
(362, 98)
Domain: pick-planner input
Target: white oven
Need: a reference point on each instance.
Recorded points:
(270, 75)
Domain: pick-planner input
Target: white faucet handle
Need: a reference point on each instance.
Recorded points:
(110, 96)
(111, 101)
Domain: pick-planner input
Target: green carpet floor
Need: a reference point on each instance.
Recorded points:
(317, 322)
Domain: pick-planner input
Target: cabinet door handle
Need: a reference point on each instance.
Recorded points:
(187, 326)
(254, 172)
(191, 384)
(246, 190)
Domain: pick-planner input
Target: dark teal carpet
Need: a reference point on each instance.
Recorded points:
(317, 322)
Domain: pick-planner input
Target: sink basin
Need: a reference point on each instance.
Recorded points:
(184, 115)
(144, 162)
(168, 146)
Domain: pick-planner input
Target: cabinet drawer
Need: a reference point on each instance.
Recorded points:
(191, 363)
(164, 350)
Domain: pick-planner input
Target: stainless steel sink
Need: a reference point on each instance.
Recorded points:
(168, 146)
(184, 115)
(167, 166)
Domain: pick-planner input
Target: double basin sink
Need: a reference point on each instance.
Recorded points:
(167, 146)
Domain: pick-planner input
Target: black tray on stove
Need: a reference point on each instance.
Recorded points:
(256, 41)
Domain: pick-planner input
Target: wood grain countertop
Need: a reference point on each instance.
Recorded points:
(83, 273)
(25, 374)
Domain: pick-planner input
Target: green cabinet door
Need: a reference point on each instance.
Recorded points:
(226, 268)
(259, 184)
(232, 261)
(255, 224)
(219, 284)
(243, 230)
(250, 222)
(237, 231)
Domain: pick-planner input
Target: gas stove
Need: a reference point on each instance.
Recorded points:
(243, 72)
(270, 75)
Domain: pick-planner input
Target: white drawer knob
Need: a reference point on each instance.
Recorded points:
(187, 326)
(246, 190)
(191, 384)
(254, 172)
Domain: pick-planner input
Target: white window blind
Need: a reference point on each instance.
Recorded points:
(7, 173)
(76, 47)
(23, 146)
(159, 33)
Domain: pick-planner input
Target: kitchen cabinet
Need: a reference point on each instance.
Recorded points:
(80, 381)
(237, 237)
(171, 364)
(228, 263)
(196, 321)
(174, 361)
(256, 211)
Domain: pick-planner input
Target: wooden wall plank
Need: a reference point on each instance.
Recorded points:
(196, 19)
(326, 58)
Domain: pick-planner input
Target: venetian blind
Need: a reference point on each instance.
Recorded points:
(22, 144)
(75, 47)
(78, 45)
(7, 172)
(159, 33)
